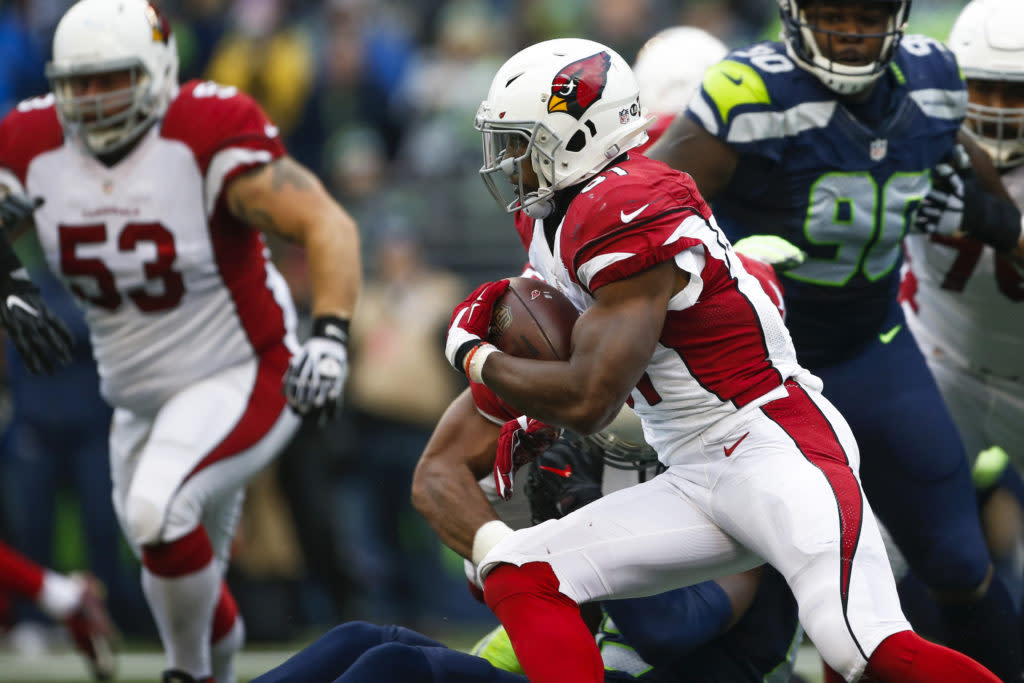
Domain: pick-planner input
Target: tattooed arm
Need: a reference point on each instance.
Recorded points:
(286, 199)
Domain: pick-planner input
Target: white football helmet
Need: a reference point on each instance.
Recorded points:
(103, 36)
(843, 79)
(988, 41)
(671, 64)
(569, 105)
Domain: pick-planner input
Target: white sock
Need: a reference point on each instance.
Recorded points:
(60, 595)
(183, 609)
(222, 653)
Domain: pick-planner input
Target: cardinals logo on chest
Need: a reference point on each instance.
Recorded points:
(578, 85)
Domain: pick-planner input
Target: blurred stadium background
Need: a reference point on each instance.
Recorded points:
(377, 97)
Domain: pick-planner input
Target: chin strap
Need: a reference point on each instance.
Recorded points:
(539, 210)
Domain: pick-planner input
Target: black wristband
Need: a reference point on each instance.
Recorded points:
(990, 219)
(331, 327)
(463, 351)
(9, 261)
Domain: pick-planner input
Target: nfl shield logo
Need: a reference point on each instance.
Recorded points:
(879, 148)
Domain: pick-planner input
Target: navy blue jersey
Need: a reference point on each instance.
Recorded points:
(841, 180)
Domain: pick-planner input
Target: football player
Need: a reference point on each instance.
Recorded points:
(155, 199)
(827, 139)
(760, 466)
(669, 68)
(74, 600)
(963, 298)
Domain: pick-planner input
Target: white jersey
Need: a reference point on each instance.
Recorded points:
(724, 349)
(966, 302)
(173, 286)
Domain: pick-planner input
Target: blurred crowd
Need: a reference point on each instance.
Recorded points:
(377, 97)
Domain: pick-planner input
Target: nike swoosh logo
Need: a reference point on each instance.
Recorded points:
(627, 217)
(728, 451)
(16, 302)
(735, 80)
(567, 472)
(886, 337)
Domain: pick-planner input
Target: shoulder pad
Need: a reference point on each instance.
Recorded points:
(732, 83)
(27, 131)
(923, 62)
(208, 117)
(623, 220)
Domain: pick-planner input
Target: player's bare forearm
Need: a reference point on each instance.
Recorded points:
(286, 199)
(612, 344)
(444, 486)
(687, 147)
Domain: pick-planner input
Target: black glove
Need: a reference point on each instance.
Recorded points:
(42, 340)
(564, 478)
(16, 210)
(958, 204)
(942, 209)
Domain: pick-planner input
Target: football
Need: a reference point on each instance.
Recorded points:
(533, 320)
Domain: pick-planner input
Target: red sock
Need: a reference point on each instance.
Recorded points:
(831, 676)
(906, 657)
(547, 633)
(188, 554)
(225, 615)
(18, 574)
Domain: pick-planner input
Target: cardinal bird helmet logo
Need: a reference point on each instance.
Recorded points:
(579, 85)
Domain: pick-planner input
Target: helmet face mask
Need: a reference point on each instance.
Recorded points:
(575, 103)
(506, 146)
(800, 32)
(989, 46)
(998, 129)
(623, 447)
(127, 49)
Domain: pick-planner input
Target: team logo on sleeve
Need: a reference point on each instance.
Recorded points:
(579, 85)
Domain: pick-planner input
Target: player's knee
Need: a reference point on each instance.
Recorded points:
(143, 520)
(838, 650)
(390, 662)
(360, 631)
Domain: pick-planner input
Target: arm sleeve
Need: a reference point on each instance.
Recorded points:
(990, 219)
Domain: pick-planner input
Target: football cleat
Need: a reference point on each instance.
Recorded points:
(92, 629)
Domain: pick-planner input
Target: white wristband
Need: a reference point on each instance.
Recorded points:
(486, 537)
(476, 363)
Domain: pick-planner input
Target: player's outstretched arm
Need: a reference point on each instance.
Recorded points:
(687, 147)
(286, 199)
(966, 200)
(585, 392)
(444, 486)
